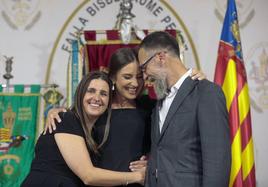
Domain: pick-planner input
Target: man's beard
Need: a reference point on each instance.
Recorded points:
(160, 87)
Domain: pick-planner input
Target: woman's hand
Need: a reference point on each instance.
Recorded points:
(142, 172)
(138, 164)
(197, 74)
(53, 114)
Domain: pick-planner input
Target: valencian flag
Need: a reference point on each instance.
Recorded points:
(18, 124)
(230, 74)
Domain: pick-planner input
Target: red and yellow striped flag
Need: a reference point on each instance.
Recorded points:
(230, 74)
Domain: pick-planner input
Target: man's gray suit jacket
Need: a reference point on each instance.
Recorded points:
(193, 148)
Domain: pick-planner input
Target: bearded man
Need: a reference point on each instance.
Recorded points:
(190, 132)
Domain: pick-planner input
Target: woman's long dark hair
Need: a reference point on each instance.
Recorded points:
(79, 111)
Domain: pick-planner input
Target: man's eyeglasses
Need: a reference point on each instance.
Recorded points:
(143, 66)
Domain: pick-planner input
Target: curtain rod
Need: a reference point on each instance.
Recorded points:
(29, 85)
(132, 31)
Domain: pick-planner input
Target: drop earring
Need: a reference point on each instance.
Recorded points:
(113, 87)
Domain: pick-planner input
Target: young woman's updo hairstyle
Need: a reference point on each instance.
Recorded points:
(120, 59)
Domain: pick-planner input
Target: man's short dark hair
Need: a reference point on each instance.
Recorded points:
(161, 40)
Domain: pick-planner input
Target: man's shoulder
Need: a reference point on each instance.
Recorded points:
(208, 89)
(207, 86)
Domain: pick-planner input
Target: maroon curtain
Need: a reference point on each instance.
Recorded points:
(98, 54)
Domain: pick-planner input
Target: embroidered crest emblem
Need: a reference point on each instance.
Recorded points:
(21, 14)
(258, 76)
(7, 140)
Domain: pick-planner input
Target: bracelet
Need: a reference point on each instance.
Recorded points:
(126, 181)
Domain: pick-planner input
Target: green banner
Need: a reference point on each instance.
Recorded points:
(18, 124)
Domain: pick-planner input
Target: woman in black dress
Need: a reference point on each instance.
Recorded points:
(64, 157)
(129, 136)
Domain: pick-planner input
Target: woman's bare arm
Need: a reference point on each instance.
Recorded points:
(74, 151)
